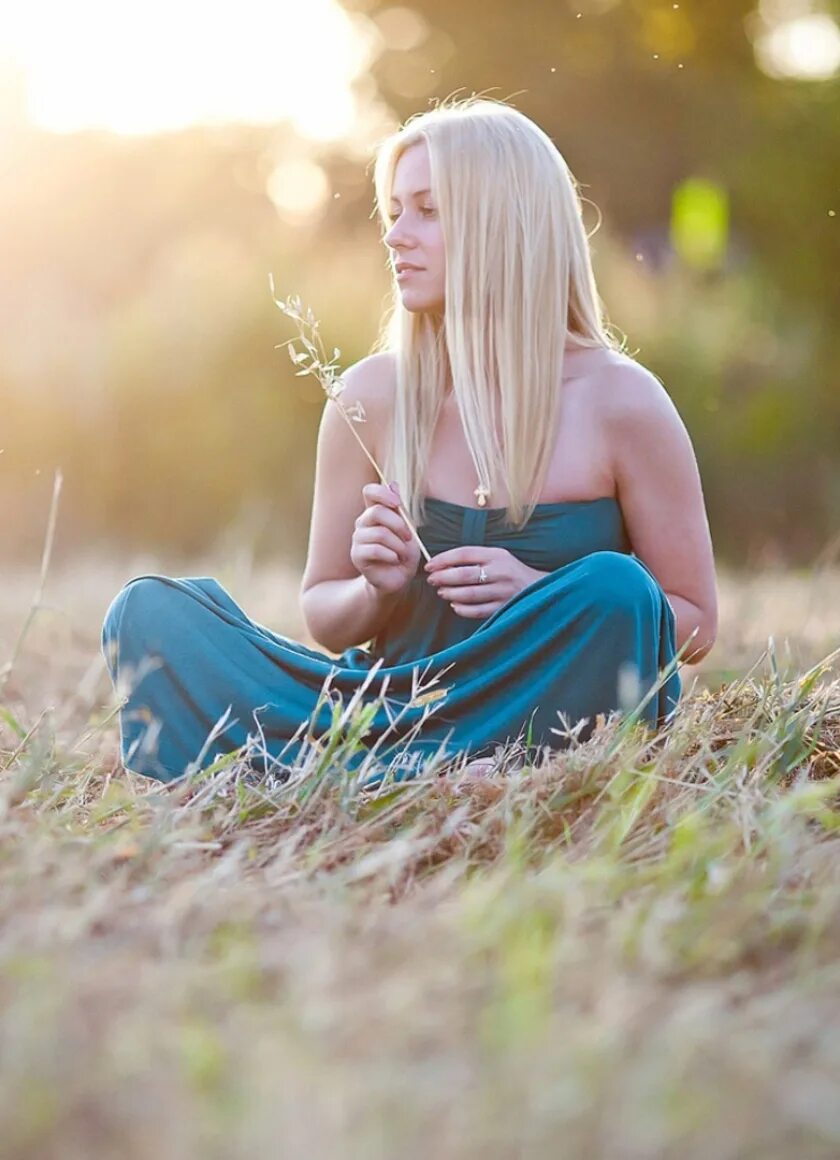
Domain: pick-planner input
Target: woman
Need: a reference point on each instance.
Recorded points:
(549, 476)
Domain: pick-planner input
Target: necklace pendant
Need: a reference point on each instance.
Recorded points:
(481, 493)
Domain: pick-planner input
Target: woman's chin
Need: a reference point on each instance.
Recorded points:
(420, 303)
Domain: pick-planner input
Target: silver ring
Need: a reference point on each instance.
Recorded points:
(482, 575)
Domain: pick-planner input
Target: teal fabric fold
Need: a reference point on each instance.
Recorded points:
(591, 636)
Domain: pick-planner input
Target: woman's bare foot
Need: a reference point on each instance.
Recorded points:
(479, 768)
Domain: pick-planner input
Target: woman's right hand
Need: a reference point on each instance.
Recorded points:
(383, 549)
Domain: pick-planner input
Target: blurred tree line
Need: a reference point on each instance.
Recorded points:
(138, 336)
(137, 332)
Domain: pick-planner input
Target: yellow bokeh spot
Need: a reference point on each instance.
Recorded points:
(668, 32)
(700, 223)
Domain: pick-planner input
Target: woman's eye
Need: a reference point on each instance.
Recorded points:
(425, 210)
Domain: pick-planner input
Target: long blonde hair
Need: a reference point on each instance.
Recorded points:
(519, 283)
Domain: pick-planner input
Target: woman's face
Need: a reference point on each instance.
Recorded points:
(415, 237)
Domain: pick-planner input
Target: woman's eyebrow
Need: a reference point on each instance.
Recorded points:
(417, 193)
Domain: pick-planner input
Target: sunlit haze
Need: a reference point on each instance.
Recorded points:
(805, 48)
(169, 64)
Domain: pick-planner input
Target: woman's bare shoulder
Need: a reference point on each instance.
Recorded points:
(371, 379)
(623, 391)
(371, 382)
(624, 382)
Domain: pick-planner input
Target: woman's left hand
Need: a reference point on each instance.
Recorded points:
(454, 575)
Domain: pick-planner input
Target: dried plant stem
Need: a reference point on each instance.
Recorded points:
(325, 372)
(6, 671)
(378, 471)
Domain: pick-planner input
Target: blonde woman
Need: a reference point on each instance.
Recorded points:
(548, 474)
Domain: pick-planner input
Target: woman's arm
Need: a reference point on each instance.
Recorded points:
(343, 613)
(661, 499)
(690, 618)
(339, 607)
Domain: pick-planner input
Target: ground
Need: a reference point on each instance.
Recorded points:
(631, 951)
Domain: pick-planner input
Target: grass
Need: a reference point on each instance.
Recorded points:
(630, 951)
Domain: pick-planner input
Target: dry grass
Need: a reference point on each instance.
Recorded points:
(631, 951)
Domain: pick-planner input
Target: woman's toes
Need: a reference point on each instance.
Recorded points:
(478, 769)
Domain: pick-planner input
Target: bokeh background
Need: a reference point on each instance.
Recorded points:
(159, 163)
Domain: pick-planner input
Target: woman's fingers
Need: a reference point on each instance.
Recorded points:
(476, 594)
(381, 516)
(379, 493)
(378, 496)
(459, 576)
(384, 536)
(381, 553)
(475, 611)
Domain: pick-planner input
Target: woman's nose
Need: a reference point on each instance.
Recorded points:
(397, 236)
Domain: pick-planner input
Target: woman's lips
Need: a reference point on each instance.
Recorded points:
(406, 272)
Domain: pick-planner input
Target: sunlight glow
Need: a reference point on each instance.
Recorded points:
(807, 48)
(298, 189)
(169, 64)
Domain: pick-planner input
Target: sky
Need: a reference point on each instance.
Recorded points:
(166, 64)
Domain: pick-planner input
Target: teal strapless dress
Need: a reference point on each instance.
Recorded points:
(591, 636)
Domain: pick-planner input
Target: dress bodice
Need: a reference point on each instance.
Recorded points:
(556, 534)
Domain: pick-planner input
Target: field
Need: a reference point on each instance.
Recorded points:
(631, 951)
